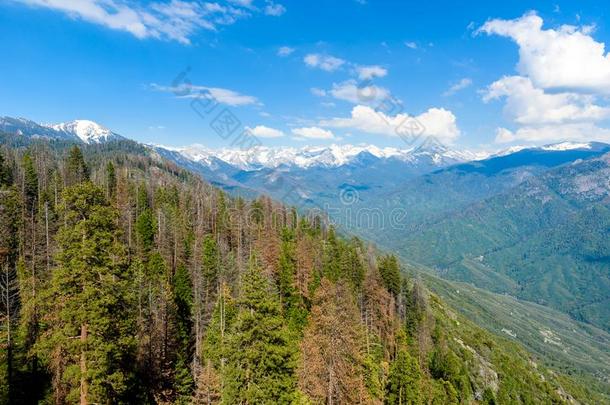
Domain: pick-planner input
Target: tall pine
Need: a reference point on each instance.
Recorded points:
(89, 343)
(260, 357)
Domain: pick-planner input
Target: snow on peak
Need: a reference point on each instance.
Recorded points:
(567, 146)
(325, 156)
(87, 131)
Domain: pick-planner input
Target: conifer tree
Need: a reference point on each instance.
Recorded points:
(332, 256)
(145, 229)
(210, 271)
(110, 180)
(403, 381)
(331, 365)
(260, 359)
(9, 290)
(6, 174)
(77, 170)
(30, 183)
(390, 273)
(89, 340)
(291, 300)
(183, 302)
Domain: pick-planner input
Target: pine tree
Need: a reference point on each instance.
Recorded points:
(210, 272)
(216, 338)
(6, 174)
(403, 381)
(89, 341)
(331, 368)
(30, 183)
(77, 170)
(9, 289)
(214, 349)
(390, 273)
(295, 311)
(110, 180)
(183, 302)
(145, 229)
(352, 266)
(332, 257)
(260, 359)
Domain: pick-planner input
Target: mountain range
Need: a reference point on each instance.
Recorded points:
(527, 221)
(521, 227)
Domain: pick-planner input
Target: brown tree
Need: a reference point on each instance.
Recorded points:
(331, 351)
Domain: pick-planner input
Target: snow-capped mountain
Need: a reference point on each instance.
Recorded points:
(87, 131)
(322, 156)
(77, 131)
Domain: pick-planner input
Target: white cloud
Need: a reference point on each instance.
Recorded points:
(318, 92)
(436, 122)
(460, 85)
(285, 51)
(553, 133)
(325, 62)
(274, 9)
(313, 133)
(528, 105)
(175, 20)
(352, 92)
(370, 72)
(411, 45)
(224, 96)
(566, 58)
(262, 131)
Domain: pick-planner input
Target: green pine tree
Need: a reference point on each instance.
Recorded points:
(89, 342)
(6, 173)
(295, 311)
(390, 273)
(110, 180)
(77, 170)
(183, 301)
(403, 380)
(260, 359)
(30, 183)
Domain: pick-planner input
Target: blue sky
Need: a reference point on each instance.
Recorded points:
(479, 75)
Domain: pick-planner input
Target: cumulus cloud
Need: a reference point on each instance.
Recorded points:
(175, 20)
(325, 62)
(436, 122)
(285, 51)
(355, 93)
(565, 58)
(460, 85)
(551, 133)
(262, 131)
(312, 133)
(528, 105)
(221, 95)
(563, 83)
(411, 45)
(370, 72)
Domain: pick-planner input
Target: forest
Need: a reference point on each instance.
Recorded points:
(126, 280)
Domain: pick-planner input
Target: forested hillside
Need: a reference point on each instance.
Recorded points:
(545, 240)
(128, 280)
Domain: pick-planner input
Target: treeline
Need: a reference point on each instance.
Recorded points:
(127, 280)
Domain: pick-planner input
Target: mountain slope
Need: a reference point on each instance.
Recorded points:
(545, 240)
